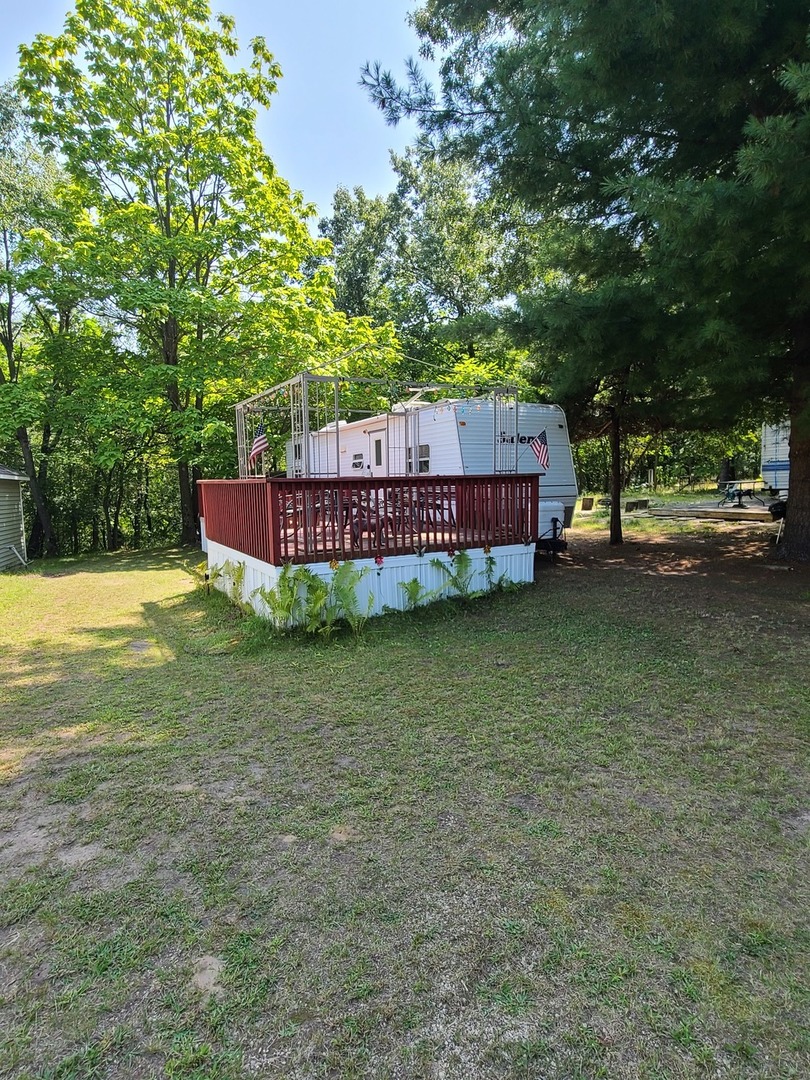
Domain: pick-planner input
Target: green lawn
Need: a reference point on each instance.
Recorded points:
(561, 833)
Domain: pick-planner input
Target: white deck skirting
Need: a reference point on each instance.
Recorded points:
(382, 583)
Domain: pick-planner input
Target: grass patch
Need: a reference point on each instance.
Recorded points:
(557, 833)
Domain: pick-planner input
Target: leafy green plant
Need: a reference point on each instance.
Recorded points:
(302, 599)
(285, 601)
(235, 573)
(343, 596)
(237, 576)
(458, 575)
(415, 593)
(500, 584)
(317, 615)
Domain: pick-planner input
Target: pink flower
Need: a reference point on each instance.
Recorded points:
(451, 552)
(378, 560)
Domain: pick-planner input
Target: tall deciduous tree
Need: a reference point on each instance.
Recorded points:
(681, 126)
(436, 257)
(28, 198)
(189, 238)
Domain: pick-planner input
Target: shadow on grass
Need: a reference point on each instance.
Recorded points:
(732, 555)
(117, 561)
(91, 653)
(101, 680)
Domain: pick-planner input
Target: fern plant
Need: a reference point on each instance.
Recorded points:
(284, 601)
(500, 584)
(343, 601)
(415, 593)
(490, 566)
(316, 601)
(458, 575)
(237, 575)
(303, 599)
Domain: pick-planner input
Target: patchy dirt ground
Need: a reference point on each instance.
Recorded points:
(733, 561)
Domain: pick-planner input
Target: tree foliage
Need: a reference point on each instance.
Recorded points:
(29, 390)
(188, 240)
(681, 131)
(437, 259)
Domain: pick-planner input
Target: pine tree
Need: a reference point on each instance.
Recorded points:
(681, 127)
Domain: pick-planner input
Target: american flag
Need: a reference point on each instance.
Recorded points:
(539, 447)
(260, 444)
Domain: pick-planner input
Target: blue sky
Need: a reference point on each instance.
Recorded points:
(321, 130)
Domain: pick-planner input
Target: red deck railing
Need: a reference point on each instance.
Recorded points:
(302, 520)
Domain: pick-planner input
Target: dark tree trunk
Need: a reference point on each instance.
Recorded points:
(795, 543)
(36, 540)
(42, 534)
(727, 471)
(188, 517)
(117, 539)
(105, 505)
(196, 474)
(188, 529)
(147, 508)
(615, 478)
(136, 520)
(95, 538)
(74, 513)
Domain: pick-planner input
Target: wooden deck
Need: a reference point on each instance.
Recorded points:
(714, 513)
(280, 520)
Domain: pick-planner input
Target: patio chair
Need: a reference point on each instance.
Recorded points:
(372, 515)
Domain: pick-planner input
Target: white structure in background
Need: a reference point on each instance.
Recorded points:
(12, 522)
(776, 456)
(474, 436)
(398, 493)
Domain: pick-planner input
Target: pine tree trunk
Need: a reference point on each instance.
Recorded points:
(795, 543)
(615, 478)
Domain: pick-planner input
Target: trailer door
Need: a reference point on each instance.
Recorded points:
(378, 451)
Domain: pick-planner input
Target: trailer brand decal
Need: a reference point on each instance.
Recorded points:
(522, 439)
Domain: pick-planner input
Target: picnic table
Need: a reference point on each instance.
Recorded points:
(736, 490)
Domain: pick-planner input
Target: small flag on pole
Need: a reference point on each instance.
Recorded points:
(260, 444)
(539, 447)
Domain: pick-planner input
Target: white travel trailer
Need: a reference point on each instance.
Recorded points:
(455, 437)
(776, 456)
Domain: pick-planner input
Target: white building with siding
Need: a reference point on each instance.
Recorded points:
(12, 523)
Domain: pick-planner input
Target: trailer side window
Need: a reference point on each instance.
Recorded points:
(357, 461)
(378, 453)
(422, 463)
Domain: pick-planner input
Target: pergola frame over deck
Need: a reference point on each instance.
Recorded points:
(295, 409)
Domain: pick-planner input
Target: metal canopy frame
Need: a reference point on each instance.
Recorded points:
(293, 410)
